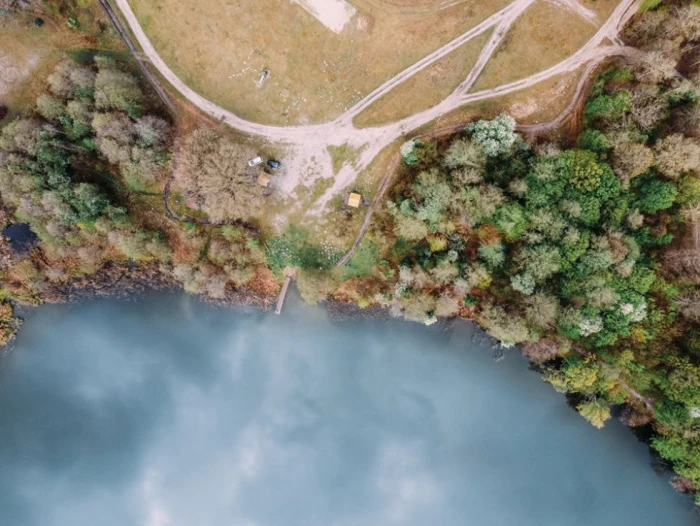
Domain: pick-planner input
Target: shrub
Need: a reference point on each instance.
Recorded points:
(594, 140)
(609, 106)
(506, 327)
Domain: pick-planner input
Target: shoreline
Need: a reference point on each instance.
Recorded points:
(129, 282)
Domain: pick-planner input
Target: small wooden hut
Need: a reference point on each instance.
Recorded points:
(264, 179)
(355, 200)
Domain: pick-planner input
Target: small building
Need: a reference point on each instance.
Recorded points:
(264, 179)
(354, 200)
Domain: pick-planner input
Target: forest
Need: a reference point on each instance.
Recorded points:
(581, 251)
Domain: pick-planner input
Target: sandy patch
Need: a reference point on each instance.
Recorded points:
(533, 104)
(333, 14)
(12, 73)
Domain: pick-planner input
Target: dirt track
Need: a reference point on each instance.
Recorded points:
(308, 158)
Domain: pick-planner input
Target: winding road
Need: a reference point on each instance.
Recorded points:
(308, 157)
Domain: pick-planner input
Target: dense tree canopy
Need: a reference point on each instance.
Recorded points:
(214, 170)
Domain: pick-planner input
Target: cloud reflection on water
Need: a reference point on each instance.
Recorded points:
(167, 412)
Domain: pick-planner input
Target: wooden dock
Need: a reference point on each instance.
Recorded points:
(283, 294)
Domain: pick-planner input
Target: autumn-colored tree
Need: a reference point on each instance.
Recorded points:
(214, 173)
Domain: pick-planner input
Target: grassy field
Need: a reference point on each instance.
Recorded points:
(220, 47)
(29, 53)
(414, 6)
(425, 89)
(545, 35)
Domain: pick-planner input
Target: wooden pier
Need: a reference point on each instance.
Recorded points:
(283, 294)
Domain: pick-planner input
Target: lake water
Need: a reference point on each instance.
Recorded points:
(169, 412)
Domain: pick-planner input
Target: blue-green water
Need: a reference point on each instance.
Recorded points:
(170, 412)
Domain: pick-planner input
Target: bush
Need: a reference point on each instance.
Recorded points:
(293, 249)
(594, 140)
(609, 106)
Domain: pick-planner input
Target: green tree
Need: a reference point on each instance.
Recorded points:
(609, 106)
(595, 411)
(654, 195)
(495, 137)
(493, 254)
(117, 90)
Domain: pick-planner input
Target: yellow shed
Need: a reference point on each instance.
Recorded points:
(264, 179)
(354, 200)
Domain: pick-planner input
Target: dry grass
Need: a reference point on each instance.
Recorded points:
(413, 6)
(604, 8)
(220, 48)
(426, 89)
(545, 35)
(342, 155)
(538, 104)
(371, 177)
(28, 53)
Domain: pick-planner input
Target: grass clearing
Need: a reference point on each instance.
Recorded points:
(544, 36)
(364, 262)
(315, 74)
(425, 89)
(29, 53)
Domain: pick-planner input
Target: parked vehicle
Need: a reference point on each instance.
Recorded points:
(256, 161)
(274, 164)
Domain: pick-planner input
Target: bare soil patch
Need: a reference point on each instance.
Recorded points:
(28, 53)
(21, 50)
(334, 14)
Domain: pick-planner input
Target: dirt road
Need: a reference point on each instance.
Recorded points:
(308, 158)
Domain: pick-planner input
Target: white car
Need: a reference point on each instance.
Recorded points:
(254, 162)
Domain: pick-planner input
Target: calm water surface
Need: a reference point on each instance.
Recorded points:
(168, 412)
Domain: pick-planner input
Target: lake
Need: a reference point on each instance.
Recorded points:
(169, 412)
